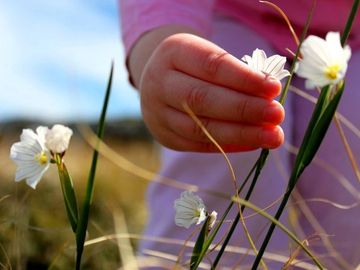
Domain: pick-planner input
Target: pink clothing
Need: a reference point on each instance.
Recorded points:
(329, 15)
(318, 186)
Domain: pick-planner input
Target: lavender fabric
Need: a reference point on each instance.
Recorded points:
(141, 16)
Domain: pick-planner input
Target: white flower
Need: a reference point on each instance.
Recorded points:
(58, 138)
(273, 66)
(213, 217)
(189, 209)
(31, 156)
(323, 61)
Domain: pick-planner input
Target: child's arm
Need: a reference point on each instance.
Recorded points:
(171, 65)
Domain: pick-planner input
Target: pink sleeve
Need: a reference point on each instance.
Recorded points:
(139, 16)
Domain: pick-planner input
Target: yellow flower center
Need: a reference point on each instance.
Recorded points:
(41, 158)
(331, 72)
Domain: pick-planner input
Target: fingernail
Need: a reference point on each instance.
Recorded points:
(273, 114)
(272, 137)
(274, 86)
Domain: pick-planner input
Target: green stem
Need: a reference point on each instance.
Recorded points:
(68, 193)
(84, 217)
(283, 95)
(298, 168)
(262, 159)
(271, 230)
(281, 227)
(350, 21)
(300, 163)
(215, 230)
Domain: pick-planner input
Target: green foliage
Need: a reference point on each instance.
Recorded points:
(320, 128)
(85, 211)
(199, 245)
(68, 193)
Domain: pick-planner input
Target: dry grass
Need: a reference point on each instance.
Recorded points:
(34, 232)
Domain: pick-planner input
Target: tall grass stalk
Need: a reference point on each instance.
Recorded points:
(282, 227)
(85, 211)
(323, 113)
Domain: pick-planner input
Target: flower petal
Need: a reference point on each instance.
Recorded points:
(41, 132)
(213, 217)
(282, 74)
(57, 138)
(189, 209)
(33, 180)
(28, 155)
(202, 216)
(259, 58)
(273, 66)
(324, 61)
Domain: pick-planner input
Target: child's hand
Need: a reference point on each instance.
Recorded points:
(234, 103)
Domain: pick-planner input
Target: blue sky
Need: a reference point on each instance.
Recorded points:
(55, 57)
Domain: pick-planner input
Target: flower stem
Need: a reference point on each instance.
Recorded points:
(281, 227)
(260, 164)
(347, 147)
(316, 130)
(68, 193)
(349, 23)
(216, 229)
(271, 230)
(84, 217)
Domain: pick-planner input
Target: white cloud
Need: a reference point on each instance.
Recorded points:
(55, 59)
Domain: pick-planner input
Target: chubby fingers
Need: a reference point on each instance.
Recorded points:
(206, 61)
(234, 103)
(191, 136)
(216, 102)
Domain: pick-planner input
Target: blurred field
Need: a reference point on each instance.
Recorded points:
(34, 233)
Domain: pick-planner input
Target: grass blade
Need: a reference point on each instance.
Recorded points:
(281, 226)
(321, 128)
(199, 245)
(84, 218)
(68, 193)
(349, 23)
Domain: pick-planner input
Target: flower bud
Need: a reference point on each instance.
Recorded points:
(57, 139)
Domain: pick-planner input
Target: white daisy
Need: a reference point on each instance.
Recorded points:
(273, 66)
(189, 209)
(324, 61)
(58, 138)
(31, 156)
